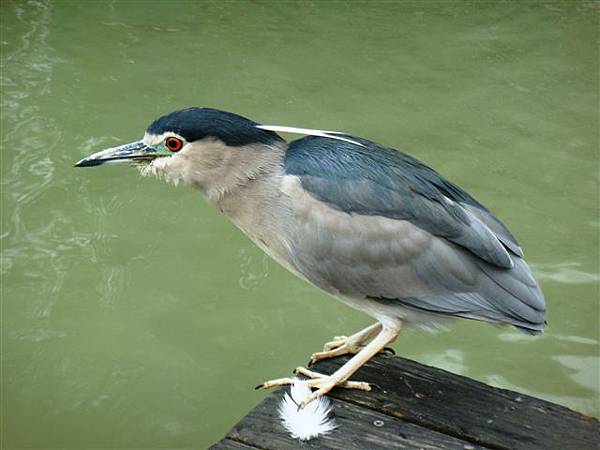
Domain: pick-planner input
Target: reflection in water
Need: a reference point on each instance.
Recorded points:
(584, 370)
(111, 285)
(37, 334)
(588, 400)
(452, 360)
(253, 273)
(512, 336)
(31, 246)
(564, 272)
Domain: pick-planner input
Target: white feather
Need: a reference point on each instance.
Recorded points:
(309, 132)
(311, 421)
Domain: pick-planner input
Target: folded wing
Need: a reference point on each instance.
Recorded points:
(471, 266)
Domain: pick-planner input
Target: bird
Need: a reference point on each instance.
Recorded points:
(368, 224)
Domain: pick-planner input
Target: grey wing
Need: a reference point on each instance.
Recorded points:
(465, 286)
(497, 227)
(399, 264)
(376, 223)
(378, 181)
(441, 217)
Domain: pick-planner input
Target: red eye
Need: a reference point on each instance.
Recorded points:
(174, 144)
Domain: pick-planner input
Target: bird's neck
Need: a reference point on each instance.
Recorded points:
(240, 176)
(255, 204)
(221, 172)
(243, 182)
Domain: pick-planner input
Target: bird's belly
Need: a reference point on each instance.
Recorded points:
(368, 267)
(365, 268)
(351, 255)
(349, 262)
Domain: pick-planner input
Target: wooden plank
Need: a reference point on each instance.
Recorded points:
(357, 429)
(228, 444)
(421, 407)
(465, 408)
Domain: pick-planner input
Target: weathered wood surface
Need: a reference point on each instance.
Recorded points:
(422, 407)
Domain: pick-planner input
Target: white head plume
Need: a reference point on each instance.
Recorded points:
(311, 421)
(309, 132)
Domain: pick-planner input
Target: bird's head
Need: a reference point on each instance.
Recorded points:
(206, 148)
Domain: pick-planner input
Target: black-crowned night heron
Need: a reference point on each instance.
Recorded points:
(371, 226)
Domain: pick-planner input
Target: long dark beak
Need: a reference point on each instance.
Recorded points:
(135, 152)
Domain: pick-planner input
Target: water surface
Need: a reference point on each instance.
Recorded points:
(135, 316)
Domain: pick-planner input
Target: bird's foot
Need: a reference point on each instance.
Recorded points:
(322, 383)
(342, 345)
(336, 342)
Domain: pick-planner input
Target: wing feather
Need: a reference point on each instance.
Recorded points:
(386, 227)
(374, 180)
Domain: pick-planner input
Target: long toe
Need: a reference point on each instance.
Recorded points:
(336, 342)
(325, 383)
(344, 348)
(275, 383)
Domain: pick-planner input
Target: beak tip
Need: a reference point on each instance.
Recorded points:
(122, 154)
(83, 163)
(89, 162)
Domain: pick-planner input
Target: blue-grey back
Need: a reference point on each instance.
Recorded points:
(376, 180)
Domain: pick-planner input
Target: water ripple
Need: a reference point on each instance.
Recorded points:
(564, 272)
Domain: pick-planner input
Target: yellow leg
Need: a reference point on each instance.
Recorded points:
(324, 383)
(342, 345)
(357, 339)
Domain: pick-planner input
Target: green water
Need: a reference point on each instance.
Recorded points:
(135, 316)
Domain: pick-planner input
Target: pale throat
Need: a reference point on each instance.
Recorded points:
(244, 183)
(219, 171)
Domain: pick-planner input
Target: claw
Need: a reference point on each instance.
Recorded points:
(321, 382)
(389, 350)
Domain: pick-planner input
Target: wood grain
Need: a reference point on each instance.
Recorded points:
(422, 407)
